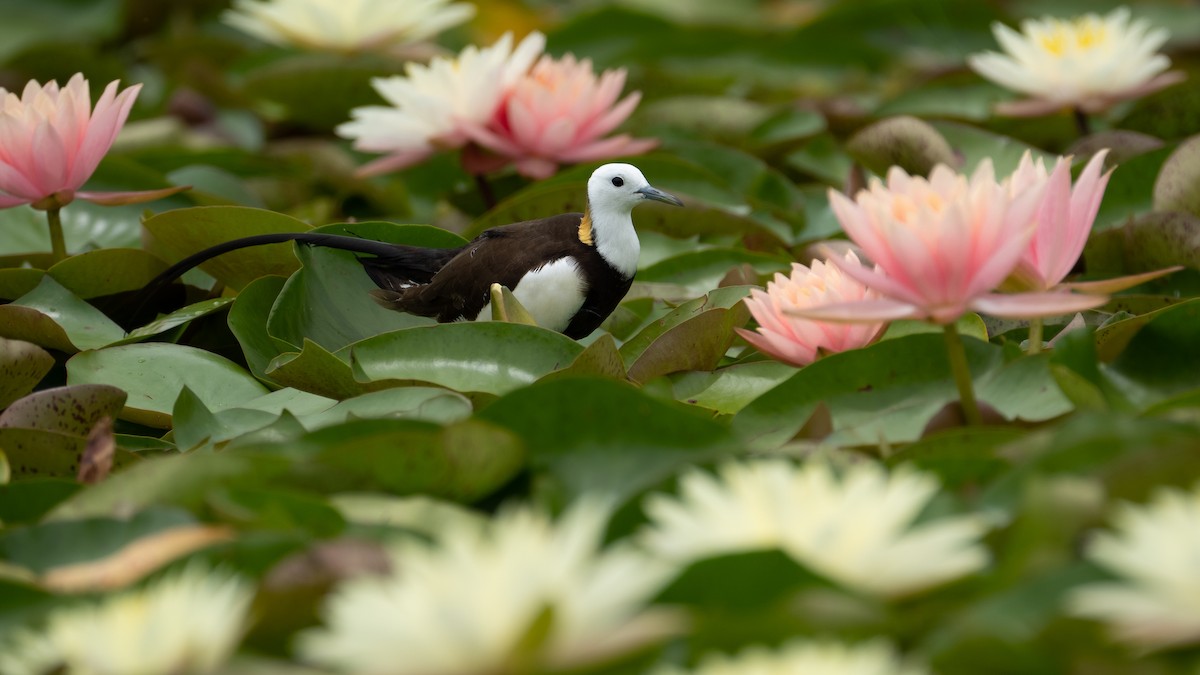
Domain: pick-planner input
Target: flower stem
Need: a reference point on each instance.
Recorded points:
(1035, 336)
(962, 375)
(58, 244)
(485, 191)
(1082, 124)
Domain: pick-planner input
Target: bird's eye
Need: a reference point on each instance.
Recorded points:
(618, 181)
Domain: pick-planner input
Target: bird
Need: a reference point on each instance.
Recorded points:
(570, 271)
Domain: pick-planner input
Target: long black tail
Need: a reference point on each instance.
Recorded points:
(393, 263)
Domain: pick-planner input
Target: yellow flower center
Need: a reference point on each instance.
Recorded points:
(1082, 34)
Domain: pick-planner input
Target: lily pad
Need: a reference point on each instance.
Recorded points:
(153, 374)
(51, 316)
(489, 357)
(22, 366)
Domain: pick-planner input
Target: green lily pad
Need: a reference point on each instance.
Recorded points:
(182, 232)
(328, 301)
(248, 323)
(489, 357)
(319, 371)
(107, 271)
(887, 392)
(51, 316)
(179, 317)
(71, 410)
(463, 461)
(582, 431)
(17, 281)
(22, 366)
(1175, 189)
(153, 374)
(730, 389)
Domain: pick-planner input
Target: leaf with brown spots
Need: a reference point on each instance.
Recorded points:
(97, 458)
(71, 410)
(22, 366)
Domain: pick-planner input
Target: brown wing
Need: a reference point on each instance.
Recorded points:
(500, 255)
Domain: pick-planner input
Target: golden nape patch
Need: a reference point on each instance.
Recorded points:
(585, 230)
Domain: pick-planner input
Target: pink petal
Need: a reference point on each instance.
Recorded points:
(106, 121)
(535, 167)
(1034, 305)
(393, 162)
(790, 353)
(15, 183)
(865, 311)
(616, 146)
(1053, 238)
(874, 279)
(51, 167)
(7, 201)
(133, 197)
(614, 117)
(1119, 283)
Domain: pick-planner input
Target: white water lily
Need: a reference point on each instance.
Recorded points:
(524, 592)
(346, 25)
(807, 657)
(857, 528)
(1088, 63)
(1153, 550)
(188, 622)
(440, 105)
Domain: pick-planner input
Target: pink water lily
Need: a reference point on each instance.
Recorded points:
(1064, 222)
(799, 341)
(943, 245)
(434, 106)
(560, 113)
(51, 140)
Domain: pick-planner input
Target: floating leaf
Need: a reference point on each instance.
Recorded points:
(22, 366)
(904, 141)
(153, 374)
(51, 316)
(573, 429)
(1175, 189)
(463, 461)
(72, 410)
(107, 271)
(489, 357)
(182, 232)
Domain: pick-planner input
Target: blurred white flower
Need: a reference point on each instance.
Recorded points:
(439, 106)
(856, 528)
(346, 25)
(187, 622)
(809, 658)
(522, 594)
(1155, 551)
(1089, 63)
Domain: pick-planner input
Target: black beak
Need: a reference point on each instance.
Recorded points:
(651, 192)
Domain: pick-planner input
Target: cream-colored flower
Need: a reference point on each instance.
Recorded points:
(188, 622)
(523, 592)
(856, 528)
(808, 658)
(346, 25)
(439, 106)
(1154, 550)
(1088, 63)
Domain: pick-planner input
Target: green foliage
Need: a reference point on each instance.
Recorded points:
(268, 406)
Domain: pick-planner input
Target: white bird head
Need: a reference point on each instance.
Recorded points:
(617, 188)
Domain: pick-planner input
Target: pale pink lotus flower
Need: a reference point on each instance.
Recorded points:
(559, 113)
(1088, 63)
(439, 105)
(941, 246)
(800, 341)
(51, 140)
(1064, 223)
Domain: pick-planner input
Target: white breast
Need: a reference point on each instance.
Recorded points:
(552, 294)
